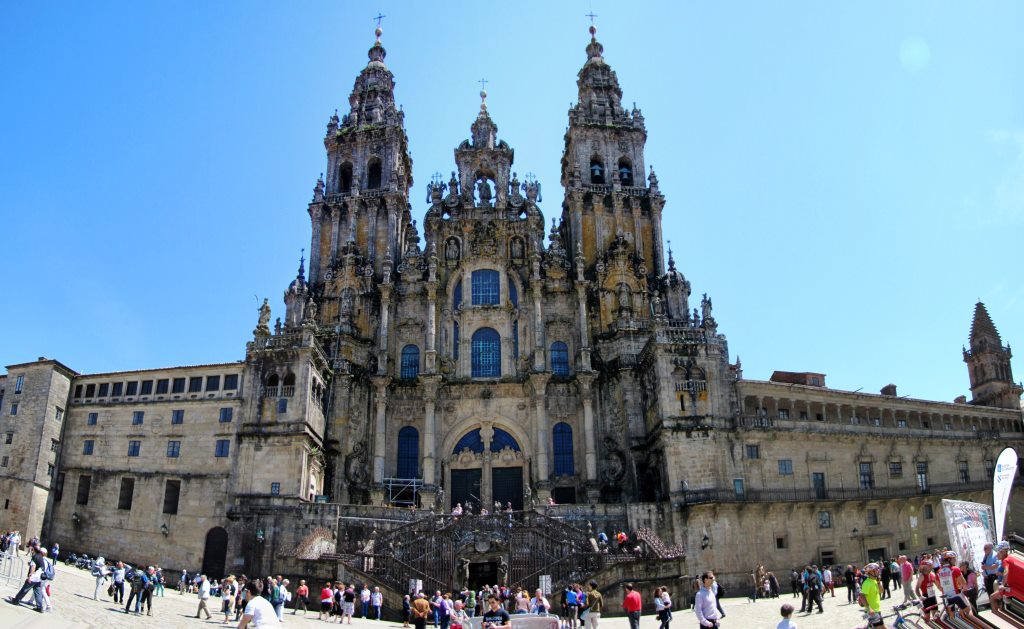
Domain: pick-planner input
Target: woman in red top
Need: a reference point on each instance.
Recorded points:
(301, 597)
(326, 601)
(927, 586)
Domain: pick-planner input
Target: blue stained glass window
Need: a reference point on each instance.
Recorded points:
(486, 354)
(562, 442)
(486, 287)
(559, 358)
(408, 453)
(474, 441)
(410, 364)
(502, 439)
(457, 297)
(456, 339)
(513, 293)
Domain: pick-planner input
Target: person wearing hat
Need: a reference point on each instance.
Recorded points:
(953, 583)
(1002, 585)
(420, 610)
(870, 595)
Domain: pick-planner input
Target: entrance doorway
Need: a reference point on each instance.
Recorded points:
(466, 488)
(507, 486)
(215, 553)
(877, 554)
(483, 573)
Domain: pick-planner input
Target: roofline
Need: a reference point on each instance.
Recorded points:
(236, 363)
(49, 361)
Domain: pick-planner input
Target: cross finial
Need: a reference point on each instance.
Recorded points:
(591, 15)
(379, 17)
(483, 84)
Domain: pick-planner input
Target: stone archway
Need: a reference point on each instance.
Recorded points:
(486, 464)
(215, 553)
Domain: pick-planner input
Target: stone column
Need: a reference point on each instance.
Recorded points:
(382, 334)
(542, 435)
(430, 356)
(316, 218)
(589, 430)
(430, 387)
(380, 437)
(581, 297)
(335, 231)
(539, 360)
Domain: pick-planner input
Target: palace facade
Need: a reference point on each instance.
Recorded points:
(485, 354)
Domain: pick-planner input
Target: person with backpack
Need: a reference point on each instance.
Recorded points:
(813, 584)
(136, 583)
(99, 571)
(49, 573)
(277, 595)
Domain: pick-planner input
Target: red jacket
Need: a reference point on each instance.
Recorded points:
(632, 602)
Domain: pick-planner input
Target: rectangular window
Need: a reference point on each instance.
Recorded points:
(780, 543)
(93, 417)
(947, 426)
(14, 409)
(895, 469)
(84, 482)
(867, 476)
(929, 512)
(124, 501)
(786, 467)
(58, 414)
(783, 413)
(132, 388)
(195, 384)
(225, 415)
(872, 517)
(803, 414)
(87, 447)
(58, 488)
(753, 451)
(901, 423)
(133, 447)
(213, 383)
(78, 390)
(173, 449)
(162, 386)
(104, 390)
(54, 444)
(137, 417)
(989, 469)
(117, 389)
(90, 390)
(172, 491)
(19, 383)
(824, 520)
(9, 437)
(930, 541)
(147, 387)
(965, 473)
(275, 489)
(178, 416)
(922, 476)
(231, 382)
(222, 448)
(3, 462)
(49, 470)
(178, 386)
(282, 405)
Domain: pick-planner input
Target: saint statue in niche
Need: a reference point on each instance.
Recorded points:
(451, 250)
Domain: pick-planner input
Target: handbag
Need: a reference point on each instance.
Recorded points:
(110, 590)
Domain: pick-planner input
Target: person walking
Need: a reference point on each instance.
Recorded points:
(663, 607)
(848, 579)
(406, 611)
(813, 585)
(704, 604)
(632, 605)
(348, 598)
(277, 595)
(258, 610)
(99, 572)
(158, 586)
(364, 602)
(886, 577)
(906, 569)
(148, 586)
(301, 597)
(118, 576)
(228, 591)
(827, 576)
(376, 602)
(595, 605)
(34, 581)
(204, 597)
(135, 582)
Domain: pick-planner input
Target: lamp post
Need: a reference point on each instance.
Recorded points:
(163, 529)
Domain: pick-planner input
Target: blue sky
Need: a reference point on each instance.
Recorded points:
(843, 179)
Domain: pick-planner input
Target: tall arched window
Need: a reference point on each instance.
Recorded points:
(596, 171)
(562, 441)
(345, 178)
(513, 293)
(373, 174)
(486, 354)
(289, 379)
(486, 287)
(408, 453)
(515, 340)
(273, 380)
(410, 362)
(559, 359)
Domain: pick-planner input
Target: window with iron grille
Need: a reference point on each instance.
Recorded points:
(275, 489)
(408, 453)
(410, 367)
(922, 476)
(91, 420)
(486, 354)
(486, 287)
(559, 358)
(753, 451)
(965, 473)
(895, 469)
(562, 442)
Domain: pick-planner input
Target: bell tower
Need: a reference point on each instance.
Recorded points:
(988, 364)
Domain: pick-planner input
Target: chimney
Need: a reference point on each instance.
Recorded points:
(889, 389)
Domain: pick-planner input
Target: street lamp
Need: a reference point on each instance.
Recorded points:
(259, 536)
(163, 529)
(705, 542)
(856, 534)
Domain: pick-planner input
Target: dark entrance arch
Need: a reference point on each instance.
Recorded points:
(215, 553)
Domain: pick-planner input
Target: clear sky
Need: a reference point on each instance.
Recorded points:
(843, 179)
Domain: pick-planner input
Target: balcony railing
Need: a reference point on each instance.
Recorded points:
(705, 496)
(861, 427)
(281, 391)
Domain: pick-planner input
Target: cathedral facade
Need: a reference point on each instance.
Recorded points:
(479, 353)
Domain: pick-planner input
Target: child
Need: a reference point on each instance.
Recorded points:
(787, 613)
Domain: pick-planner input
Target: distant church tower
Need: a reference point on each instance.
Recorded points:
(988, 363)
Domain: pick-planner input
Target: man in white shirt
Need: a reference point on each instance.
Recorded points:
(705, 604)
(826, 575)
(204, 596)
(258, 610)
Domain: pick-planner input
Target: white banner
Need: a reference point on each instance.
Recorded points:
(970, 528)
(1002, 483)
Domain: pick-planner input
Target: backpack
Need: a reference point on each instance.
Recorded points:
(48, 573)
(812, 581)
(136, 582)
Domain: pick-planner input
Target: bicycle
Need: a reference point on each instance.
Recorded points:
(902, 621)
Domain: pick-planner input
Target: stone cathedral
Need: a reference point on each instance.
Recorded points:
(463, 349)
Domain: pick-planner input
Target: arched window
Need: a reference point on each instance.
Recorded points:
(345, 178)
(410, 363)
(513, 294)
(559, 359)
(273, 380)
(486, 287)
(625, 172)
(515, 339)
(373, 174)
(562, 442)
(408, 453)
(486, 354)
(289, 380)
(596, 171)
(455, 340)
(457, 296)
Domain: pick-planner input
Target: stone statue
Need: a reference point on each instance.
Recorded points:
(625, 301)
(696, 317)
(451, 250)
(502, 571)
(517, 248)
(464, 571)
(346, 304)
(311, 311)
(705, 306)
(453, 185)
(277, 326)
(514, 185)
(264, 320)
(657, 305)
(483, 188)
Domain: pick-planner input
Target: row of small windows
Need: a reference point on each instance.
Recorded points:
(866, 473)
(194, 384)
(486, 355)
(177, 417)
(222, 448)
(172, 493)
(599, 177)
(373, 176)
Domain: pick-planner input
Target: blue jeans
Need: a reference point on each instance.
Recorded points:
(37, 593)
(366, 608)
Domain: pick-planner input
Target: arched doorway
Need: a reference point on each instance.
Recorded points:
(215, 553)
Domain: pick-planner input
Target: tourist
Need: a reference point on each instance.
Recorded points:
(459, 618)
(927, 585)
(158, 587)
(471, 602)
(99, 572)
(848, 578)
(240, 596)
(990, 566)
(278, 595)
(705, 605)
(886, 577)
(906, 570)
(971, 590)
(827, 577)
(34, 581)
(444, 610)
(376, 602)
(787, 615)
(1002, 584)
(632, 605)
(406, 610)
(495, 617)
(15, 542)
(183, 582)
(148, 586)
(572, 604)
(338, 594)
(457, 510)
(258, 610)
(870, 595)
(663, 606)
(55, 552)
(136, 582)
(421, 608)
(348, 598)
(953, 583)
(895, 574)
(794, 582)
(435, 602)
(228, 590)
(204, 596)
(49, 568)
(118, 584)
(326, 601)
(364, 601)
(595, 605)
(301, 597)
(539, 604)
